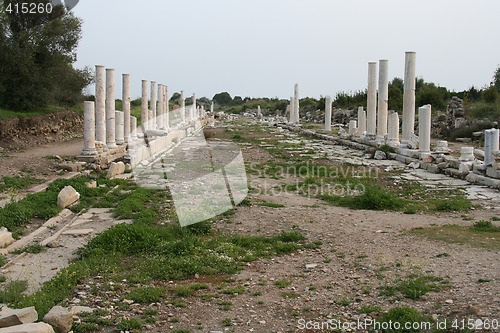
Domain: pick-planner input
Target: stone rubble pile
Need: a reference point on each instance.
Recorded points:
(57, 320)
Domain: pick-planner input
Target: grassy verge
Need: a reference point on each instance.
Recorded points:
(17, 183)
(483, 234)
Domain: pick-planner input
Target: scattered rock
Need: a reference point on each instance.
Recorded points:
(116, 169)
(81, 309)
(5, 238)
(67, 197)
(380, 155)
(10, 317)
(92, 184)
(29, 328)
(311, 266)
(60, 319)
(449, 301)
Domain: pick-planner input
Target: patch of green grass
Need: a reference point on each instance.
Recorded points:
(484, 280)
(188, 290)
(483, 236)
(35, 249)
(2, 279)
(147, 294)
(453, 204)
(290, 294)
(282, 283)
(373, 197)
(404, 316)
(485, 226)
(271, 205)
(344, 301)
(13, 292)
(130, 324)
(236, 290)
(442, 255)
(225, 305)
(3, 260)
(415, 285)
(18, 183)
(494, 218)
(91, 322)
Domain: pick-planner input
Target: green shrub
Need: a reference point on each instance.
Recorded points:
(147, 294)
(404, 315)
(485, 226)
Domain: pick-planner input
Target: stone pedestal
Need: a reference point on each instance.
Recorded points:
(466, 154)
(383, 99)
(133, 128)
(361, 121)
(371, 107)
(424, 128)
(126, 107)
(144, 107)
(89, 129)
(120, 127)
(100, 103)
(153, 106)
(409, 97)
(328, 113)
(442, 147)
(393, 130)
(110, 109)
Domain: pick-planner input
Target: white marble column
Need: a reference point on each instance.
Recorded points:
(371, 107)
(491, 137)
(393, 129)
(291, 115)
(361, 121)
(153, 106)
(409, 97)
(120, 127)
(144, 107)
(193, 107)
(110, 108)
(89, 129)
(160, 116)
(100, 103)
(212, 107)
(383, 99)
(166, 107)
(126, 107)
(296, 106)
(328, 113)
(353, 127)
(183, 107)
(133, 128)
(424, 128)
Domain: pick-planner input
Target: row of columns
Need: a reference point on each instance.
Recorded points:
(102, 123)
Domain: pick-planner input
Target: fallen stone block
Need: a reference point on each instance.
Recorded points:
(29, 328)
(67, 197)
(5, 238)
(116, 168)
(60, 319)
(11, 317)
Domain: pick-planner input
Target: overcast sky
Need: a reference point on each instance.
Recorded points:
(260, 48)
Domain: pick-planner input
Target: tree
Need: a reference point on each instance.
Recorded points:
(222, 98)
(37, 52)
(496, 79)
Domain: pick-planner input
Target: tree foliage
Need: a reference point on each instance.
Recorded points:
(37, 52)
(222, 98)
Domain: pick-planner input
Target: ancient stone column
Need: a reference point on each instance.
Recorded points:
(491, 137)
(154, 99)
(144, 106)
(424, 128)
(126, 107)
(100, 104)
(328, 113)
(296, 106)
(212, 107)
(110, 108)
(361, 121)
(133, 128)
(166, 107)
(120, 128)
(353, 127)
(193, 107)
(393, 131)
(161, 104)
(409, 97)
(89, 129)
(183, 107)
(292, 112)
(371, 107)
(383, 99)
